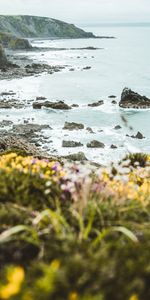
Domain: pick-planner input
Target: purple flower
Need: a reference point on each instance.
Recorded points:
(33, 162)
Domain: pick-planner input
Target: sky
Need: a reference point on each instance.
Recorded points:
(81, 11)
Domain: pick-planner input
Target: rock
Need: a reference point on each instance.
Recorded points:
(112, 97)
(10, 93)
(95, 144)
(130, 99)
(113, 146)
(5, 123)
(71, 69)
(10, 142)
(114, 102)
(117, 127)
(54, 105)
(37, 105)
(90, 130)
(28, 129)
(3, 58)
(74, 105)
(80, 156)
(19, 44)
(40, 98)
(12, 103)
(71, 144)
(87, 68)
(73, 126)
(5, 105)
(139, 136)
(95, 104)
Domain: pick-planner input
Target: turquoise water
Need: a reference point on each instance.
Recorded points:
(122, 62)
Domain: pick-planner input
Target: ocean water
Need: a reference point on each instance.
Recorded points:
(122, 62)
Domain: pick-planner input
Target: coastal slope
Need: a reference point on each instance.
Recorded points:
(40, 27)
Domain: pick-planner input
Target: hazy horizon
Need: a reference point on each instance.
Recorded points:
(81, 11)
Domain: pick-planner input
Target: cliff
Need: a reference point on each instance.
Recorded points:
(12, 42)
(40, 27)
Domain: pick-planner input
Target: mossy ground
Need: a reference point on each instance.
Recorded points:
(67, 233)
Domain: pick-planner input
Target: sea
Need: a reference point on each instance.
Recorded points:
(121, 62)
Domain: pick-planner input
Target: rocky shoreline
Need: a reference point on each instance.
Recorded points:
(29, 133)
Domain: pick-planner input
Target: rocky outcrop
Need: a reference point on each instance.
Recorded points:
(20, 44)
(95, 144)
(95, 104)
(117, 127)
(80, 156)
(10, 143)
(130, 99)
(3, 59)
(139, 136)
(113, 146)
(54, 105)
(73, 126)
(12, 42)
(41, 27)
(90, 130)
(71, 144)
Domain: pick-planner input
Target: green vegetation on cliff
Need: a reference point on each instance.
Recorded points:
(42, 27)
(69, 234)
(10, 41)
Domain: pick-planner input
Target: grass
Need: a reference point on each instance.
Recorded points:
(68, 233)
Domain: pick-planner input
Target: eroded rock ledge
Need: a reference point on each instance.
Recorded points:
(131, 99)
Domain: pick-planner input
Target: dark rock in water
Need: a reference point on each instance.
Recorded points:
(71, 69)
(71, 144)
(8, 104)
(73, 126)
(5, 123)
(10, 93)
(112, 96)
(74, 105)
(114, 102)
(95, 144)
(28, 129)
(95, 104)
(113, 146)
(130, 99)
(90, 130)
(80, 156)
(87, 68)
(5, 105)
(54, 105)
(37, 105)
(40, 98)
(117, 127)
(139, 136)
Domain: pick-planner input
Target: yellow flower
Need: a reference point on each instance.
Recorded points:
(15, 278)
(134, 297)
(74, 296)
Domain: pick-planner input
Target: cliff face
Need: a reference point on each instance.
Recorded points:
(3, 58)
(41, 27)
(12, 42)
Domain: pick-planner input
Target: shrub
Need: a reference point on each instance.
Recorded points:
(68, 233)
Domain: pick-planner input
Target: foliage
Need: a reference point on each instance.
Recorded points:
(74, 233)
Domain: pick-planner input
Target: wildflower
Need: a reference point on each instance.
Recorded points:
(74, 296)
(15, 278)
(134, 297)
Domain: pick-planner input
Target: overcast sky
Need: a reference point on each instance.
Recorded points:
(81, 11)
